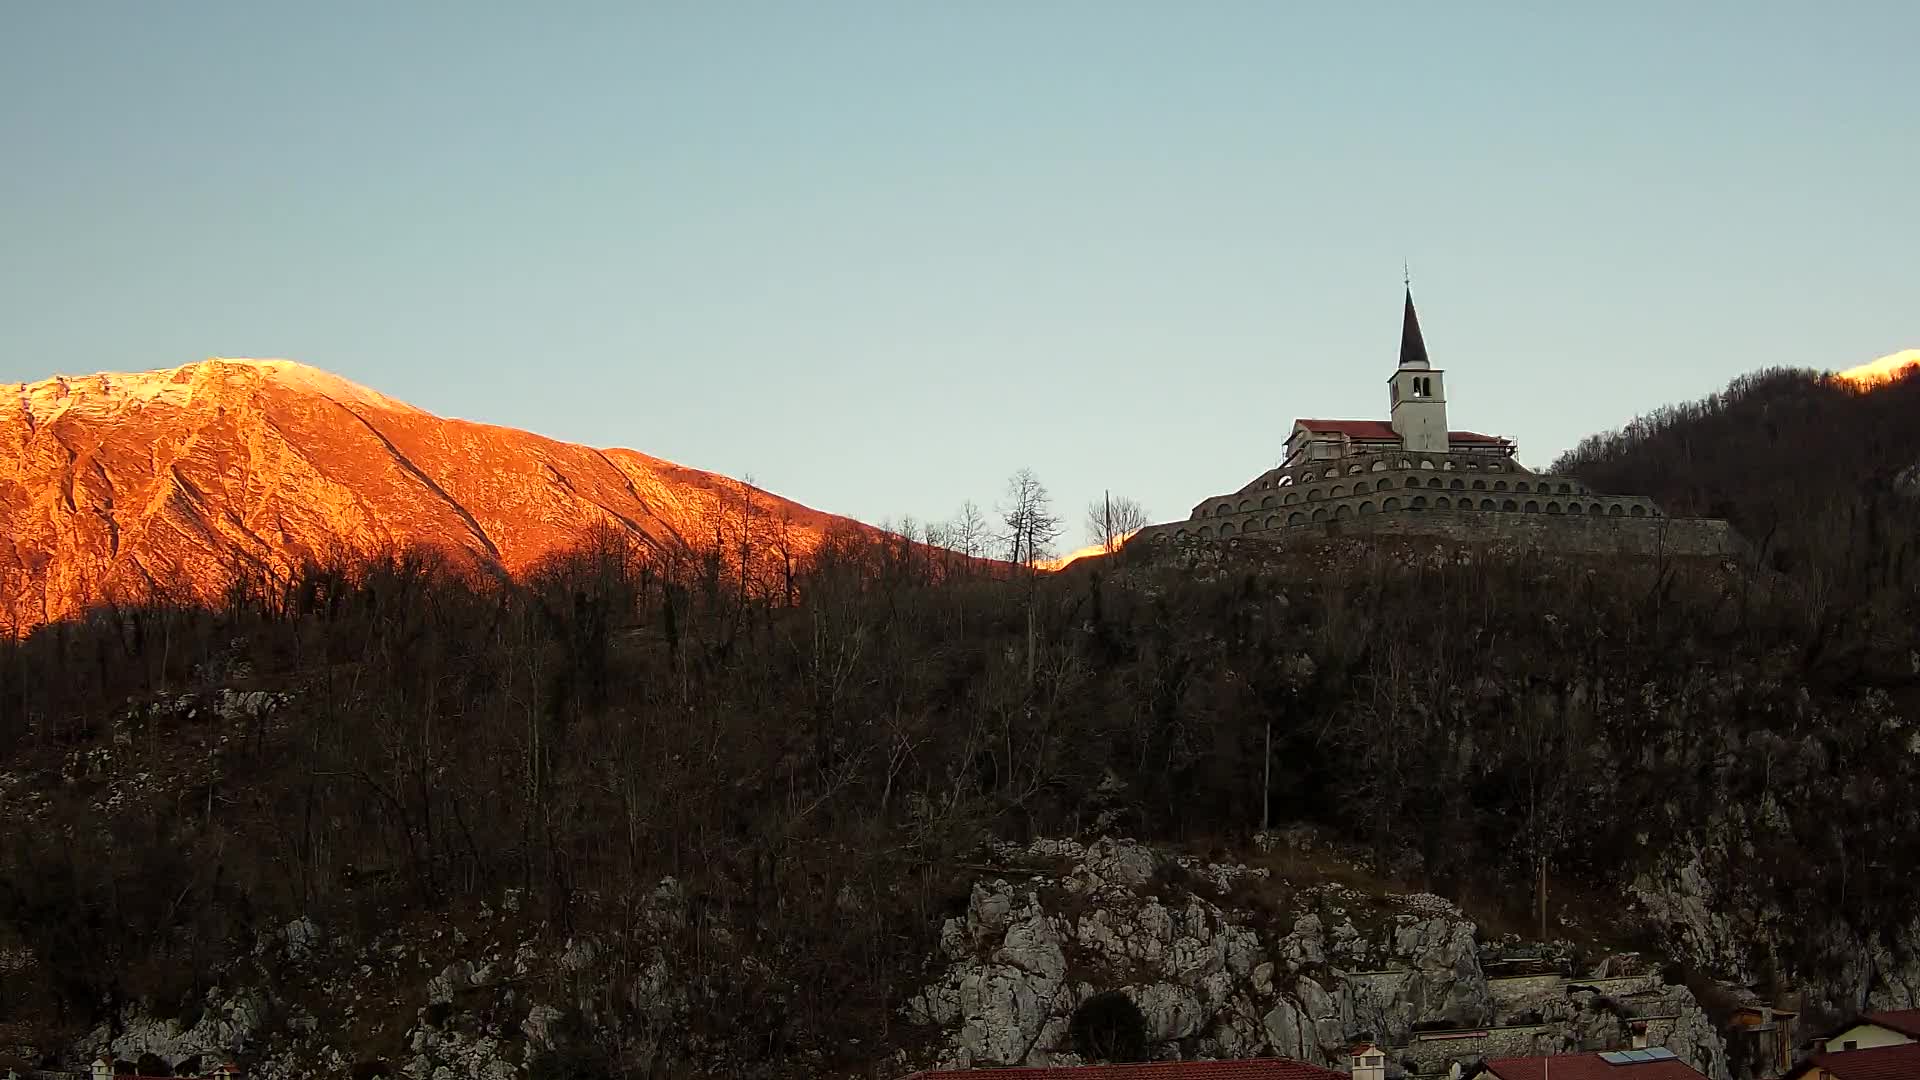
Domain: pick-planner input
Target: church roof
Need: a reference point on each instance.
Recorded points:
(1383, 431)
(1413, 347)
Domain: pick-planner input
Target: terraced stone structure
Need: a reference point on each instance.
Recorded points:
(1412, 475)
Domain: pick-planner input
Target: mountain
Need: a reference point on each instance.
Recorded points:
(121, 485)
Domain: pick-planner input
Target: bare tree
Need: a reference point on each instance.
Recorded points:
(968, 533)
(1031, 526)
(1114, 518)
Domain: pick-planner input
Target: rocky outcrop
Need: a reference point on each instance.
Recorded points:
(1210, 979)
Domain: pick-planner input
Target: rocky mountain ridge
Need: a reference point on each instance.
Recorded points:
(174, 483)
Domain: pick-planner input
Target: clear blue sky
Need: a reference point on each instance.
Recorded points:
(880, 255)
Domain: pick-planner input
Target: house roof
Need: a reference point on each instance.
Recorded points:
(1904, 1021)
(1588, 1067)
(1381, 429)
(1257, 1069)
(1879, 1063)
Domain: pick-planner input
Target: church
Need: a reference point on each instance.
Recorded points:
(1412, 474)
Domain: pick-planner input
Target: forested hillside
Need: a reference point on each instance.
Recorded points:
(815, 761)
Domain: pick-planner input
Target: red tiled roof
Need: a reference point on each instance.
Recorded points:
(1879, 1063)
(1357, 429)
(1381, 429)
(1588, 1067)
(1904, 1021)
(1259, 1069)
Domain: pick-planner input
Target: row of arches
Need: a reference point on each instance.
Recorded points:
(1361, 487)
(1417, 502)
(1379, 464)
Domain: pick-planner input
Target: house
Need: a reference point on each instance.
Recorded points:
(1897, 1062)
(1252, 1069)
(1893, 1028)
(1653, 1063)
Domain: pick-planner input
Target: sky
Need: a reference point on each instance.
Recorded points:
(878, 256)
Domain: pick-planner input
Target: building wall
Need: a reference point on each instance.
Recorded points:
(1458, 495)
(1868, 1036)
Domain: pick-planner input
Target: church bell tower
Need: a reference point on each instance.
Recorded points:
(1419, 391)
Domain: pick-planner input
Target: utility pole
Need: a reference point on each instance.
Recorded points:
(1543, 899)
(1266, 780)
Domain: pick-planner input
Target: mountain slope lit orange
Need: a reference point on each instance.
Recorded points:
(1885, 369)
(112, 485)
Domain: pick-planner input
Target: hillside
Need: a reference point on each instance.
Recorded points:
(1818, 471)
(176, 484)
(625, 818)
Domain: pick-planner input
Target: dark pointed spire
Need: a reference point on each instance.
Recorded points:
(1413, 348)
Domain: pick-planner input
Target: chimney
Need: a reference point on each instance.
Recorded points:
(1369, 1062)
(102, 1068)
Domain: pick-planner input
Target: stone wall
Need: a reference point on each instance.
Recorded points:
(1460, 496)
(1583, 534)
(1565, 533)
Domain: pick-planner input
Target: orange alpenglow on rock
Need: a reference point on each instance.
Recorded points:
(124, 486)
(1885, 369)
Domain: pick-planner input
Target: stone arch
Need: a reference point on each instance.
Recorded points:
(1385, 483)
(1479, 485)
(1499, 485)
(1360, 487)
(1251, 525)
(1491, 467)
(1342, 512)
(1320, 514)
(1206, 532)
(1339, 491)
(1290, 498)
(1296, 518)
(1553, 508)
(1367, 507)
(1486, 504)
(1267, 502)
(1566, 489)
(1509, 505)
(1458, 484)
(1639, 511)
(1434, 482)
(1223, 508)
(1380, 466)
(1313, 494)
(1532, 507)
(1390, 504)
(1353, 469)
(1520, 485)
(1419, 503)
(1246, 505)
(1183, 535)
(1406, 463)
(1596, 509)
(1447, 465)
(1426, 464)
(1226, 528)
(1273, 521)
(1285, 481)
(1442, 503)
(1616, 510)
